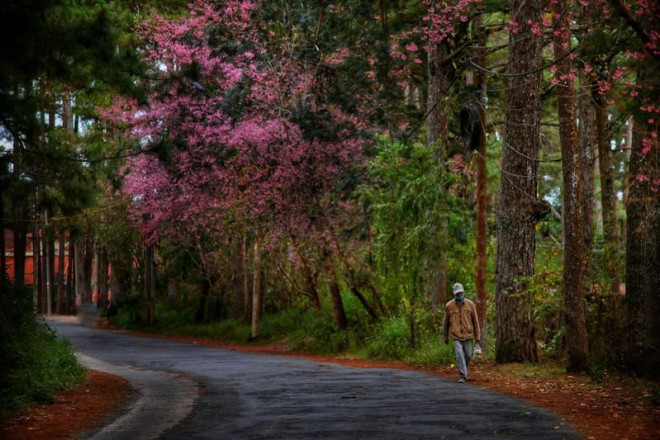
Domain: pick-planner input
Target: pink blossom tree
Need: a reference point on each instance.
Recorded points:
(232, 135)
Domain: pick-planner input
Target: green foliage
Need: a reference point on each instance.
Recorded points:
(407, 199)
(34, 362)
(124, 309)
(390, 340)
(432, 353)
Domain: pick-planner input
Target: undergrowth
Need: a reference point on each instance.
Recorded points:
(311, 331)
(34, 364)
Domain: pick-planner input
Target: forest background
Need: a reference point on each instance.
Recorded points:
(319, 173)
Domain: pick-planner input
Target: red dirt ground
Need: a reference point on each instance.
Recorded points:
(82, 408)
(613, 411)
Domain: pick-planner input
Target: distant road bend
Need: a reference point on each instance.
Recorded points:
(186, 391)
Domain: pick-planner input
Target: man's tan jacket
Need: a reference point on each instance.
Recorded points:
(461, 320)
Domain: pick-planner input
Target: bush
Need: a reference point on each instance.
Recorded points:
(34, 362)
(432, 353)
(391, 339)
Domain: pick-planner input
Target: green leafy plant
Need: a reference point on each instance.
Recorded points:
(34, 363)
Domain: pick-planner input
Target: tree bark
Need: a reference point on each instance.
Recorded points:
(481, 300)
(149, 283)
(47, 267)
(80, 273)
(20, 216)
(643, 239)
(573, 258)
(37, 265)
(436, 125)
(237, 276)
(514, 326)
(88, 255)
(3, 245)
(629, 140)
(337, 303)
(587, 143)
(102, 280)
(608, 199)
(311, 285)
(247, 310)
(20, 241)
(71, 277)
(256, 289)
(60, 273)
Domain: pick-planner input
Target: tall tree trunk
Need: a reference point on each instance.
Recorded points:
(436, 125)
(51, 265)
(438, 87)
(20, 218)
(608, 199)
(482, 193)
(47, 267)
(200, 314)
(247, 299)
(337, 303)
(80, 274)
(256, 289)
(237, 276)
(573, 258)
(67, 113)
(96, 270)
(60, 273)
(149, 284)
(88, 267)
(103, 278)
(587, 143)
(3, 245)
(311, 285)
(514, 326)
(20, 241)
(37, 276)
(629, 140)
(115, 284)
(71, 277)
(643, 248)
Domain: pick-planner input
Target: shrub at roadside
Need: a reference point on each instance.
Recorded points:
(34, 363)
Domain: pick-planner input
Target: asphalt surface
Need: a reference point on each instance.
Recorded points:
(186, 391)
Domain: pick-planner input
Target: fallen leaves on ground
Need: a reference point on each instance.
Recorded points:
(84, 407)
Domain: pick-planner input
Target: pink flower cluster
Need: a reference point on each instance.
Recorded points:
(227, 151)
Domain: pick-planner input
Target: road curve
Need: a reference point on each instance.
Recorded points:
(160, 401)
(256, 396)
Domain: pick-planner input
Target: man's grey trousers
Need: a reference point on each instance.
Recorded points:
(463, 351)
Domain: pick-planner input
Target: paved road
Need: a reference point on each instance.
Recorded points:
(207, 393)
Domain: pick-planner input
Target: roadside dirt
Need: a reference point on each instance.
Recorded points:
(84, 407)
(598, 411)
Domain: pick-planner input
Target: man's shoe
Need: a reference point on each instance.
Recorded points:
(461, 380)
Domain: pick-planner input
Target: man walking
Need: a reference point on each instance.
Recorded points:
(462, 323)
